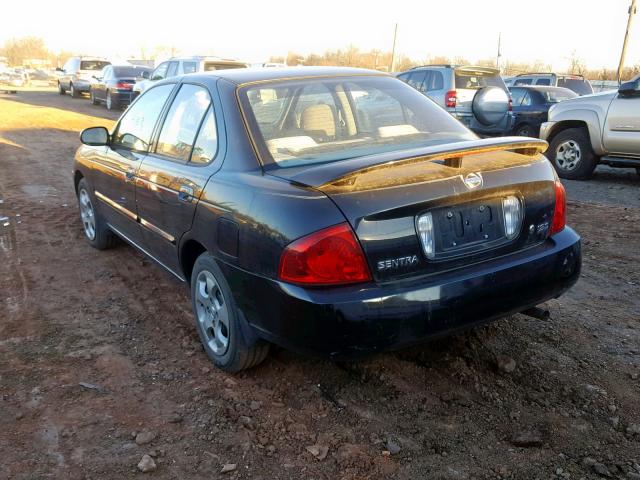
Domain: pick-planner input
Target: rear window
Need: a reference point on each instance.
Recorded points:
(129, 71)
(210, 66)
(93, 64)
(556, 96)
(477, 80)
(325, 120)
(578, 85)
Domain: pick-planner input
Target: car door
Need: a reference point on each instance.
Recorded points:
(622, 126)
(172, 177)
(99, 87)
(116, 165)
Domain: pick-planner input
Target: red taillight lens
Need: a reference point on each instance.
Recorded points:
(451, 98)
(331, 256)
(560, 210)
(124, 86)
(510, 104)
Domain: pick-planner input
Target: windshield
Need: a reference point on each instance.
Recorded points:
(324, 120)
(210, 66)
(555, 96)
(129, 71)
(578, 85)
(93, 64)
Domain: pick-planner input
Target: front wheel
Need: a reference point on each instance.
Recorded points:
(61, 89)
(95, 229)
(74, 93)
(217, 320)
(571, 154)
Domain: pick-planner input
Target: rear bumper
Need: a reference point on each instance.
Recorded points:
(124, 97)
(354, 321)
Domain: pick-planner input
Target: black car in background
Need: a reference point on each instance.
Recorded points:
(114, 84)
(531, 106)
(328, 210)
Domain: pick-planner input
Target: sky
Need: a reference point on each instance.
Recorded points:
(546, 30)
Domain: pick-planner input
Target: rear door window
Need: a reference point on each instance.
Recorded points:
(96, 65)
(523, 81)
(136, 125)
(189, 67)
(206, 146)
(160, 72)
(543, 81)
(578, 85)
(172, 71)
(517, 94)
(182, 122)
(416, 79)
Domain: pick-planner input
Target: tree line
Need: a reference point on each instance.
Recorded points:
(21, 51)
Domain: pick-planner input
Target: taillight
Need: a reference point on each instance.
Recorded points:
(331, 256)
(124, 86)
(510, 104)
(451, 99)
(560, 210)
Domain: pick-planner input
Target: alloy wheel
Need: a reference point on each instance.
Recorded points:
(87, 214)
(568, 155)
(109, 101)
(212, 312)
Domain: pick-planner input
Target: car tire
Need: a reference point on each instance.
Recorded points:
(111, 103)
(571, 154)
(525, 130)
(94, 100)
(95, 228)
(61, 89)
(74, 93)
(218, 320)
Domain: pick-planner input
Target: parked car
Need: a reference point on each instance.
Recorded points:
(577, 83)
(477, 96)
(339, 226)
(77, 74)
(114, 85)
(531, 107)
(183, 65)
(600, 128)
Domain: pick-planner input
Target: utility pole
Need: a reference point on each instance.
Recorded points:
(499, 54)
(632, 12)
(393, 50)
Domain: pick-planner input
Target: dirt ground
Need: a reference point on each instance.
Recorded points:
(100, 363)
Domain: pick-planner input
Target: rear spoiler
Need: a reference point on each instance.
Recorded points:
(450, 154)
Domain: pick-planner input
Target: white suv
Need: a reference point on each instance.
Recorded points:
(183, 65)
(477, 96)
(77, 74)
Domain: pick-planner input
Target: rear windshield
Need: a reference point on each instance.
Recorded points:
(477, 80)
(209, 66)
(93, 64)
(325, 120)
(129, 71)
(578, 85)
(555, 96)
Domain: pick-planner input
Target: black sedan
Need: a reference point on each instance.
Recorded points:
(114, 85)
(328, 210)
(531, 106)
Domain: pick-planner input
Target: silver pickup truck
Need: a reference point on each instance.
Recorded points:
(601, 128)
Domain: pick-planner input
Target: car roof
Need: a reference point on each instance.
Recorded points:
(241, 76)
(542, 88)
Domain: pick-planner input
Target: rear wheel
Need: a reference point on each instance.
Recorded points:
(217, 319)
(111, 102)
(95, 229)
(571, 154)
(525, 130)
(61, 90)
(74, 93)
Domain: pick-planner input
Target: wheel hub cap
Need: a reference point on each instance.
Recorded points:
(212, 313)
(568, 155)
(87, 215)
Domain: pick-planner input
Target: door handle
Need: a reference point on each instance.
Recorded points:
(130, 175)
(185, 194)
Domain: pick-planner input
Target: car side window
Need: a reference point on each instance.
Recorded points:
(543, 81)
(136, 125)
(206, 146)
(160, 72)
(106, 74)
(526, 99)
(189, 67)
(172, 71)
(435, 81)
(182, 122)
(523, 81)
(416, 79)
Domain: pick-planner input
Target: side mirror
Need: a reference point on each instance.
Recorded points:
(59, 69)
(145, 75)
(629, 89)
(95, 136)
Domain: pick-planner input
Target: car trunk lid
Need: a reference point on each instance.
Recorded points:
(462, 185)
